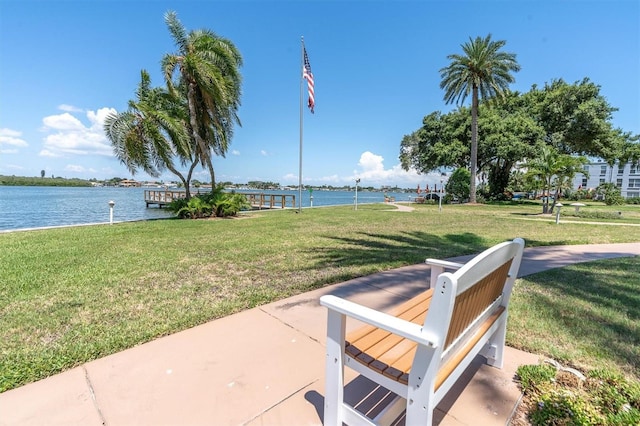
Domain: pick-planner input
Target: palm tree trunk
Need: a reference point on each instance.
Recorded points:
(205, 155)
(474, 143)
(211, 172)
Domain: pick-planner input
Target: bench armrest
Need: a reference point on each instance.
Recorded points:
(438, 267)
(381, 320)
(444, 263)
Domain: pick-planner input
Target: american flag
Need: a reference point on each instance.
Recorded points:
(308, 75)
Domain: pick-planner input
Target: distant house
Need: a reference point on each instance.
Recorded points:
(127, 183)
(623, 176)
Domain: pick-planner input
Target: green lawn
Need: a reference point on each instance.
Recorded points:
(72, 295)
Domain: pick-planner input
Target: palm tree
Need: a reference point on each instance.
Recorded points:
(555, 170)
(152, 133)
(208, 66)
(483, 71)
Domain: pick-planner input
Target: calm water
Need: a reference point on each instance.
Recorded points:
(42, 206)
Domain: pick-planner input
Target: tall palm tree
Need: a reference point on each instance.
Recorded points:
(208, 66)
(152, 133)
(483, 71)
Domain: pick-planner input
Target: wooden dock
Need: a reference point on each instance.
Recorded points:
(162, 197)
(270, 201)
(257, 201)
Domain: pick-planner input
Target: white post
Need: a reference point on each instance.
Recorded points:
(442, 176)
(111, 204)
(440, 197)
(558, 212)
(356, 199)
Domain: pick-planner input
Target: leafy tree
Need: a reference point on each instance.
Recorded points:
(42, 173)
(208, 67)
(577, 120)
(484, 72)
(440, 142)
(458, 184)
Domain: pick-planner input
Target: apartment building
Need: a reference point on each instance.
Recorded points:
(624, 176)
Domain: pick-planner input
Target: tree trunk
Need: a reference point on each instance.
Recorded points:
(474, 144)
(211, 172)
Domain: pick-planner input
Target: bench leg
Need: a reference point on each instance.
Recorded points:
(421, 400)
(334, 363)
(495, 355)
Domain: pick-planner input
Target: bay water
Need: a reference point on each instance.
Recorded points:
(26, 207)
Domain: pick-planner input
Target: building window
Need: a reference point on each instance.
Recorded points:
(634, 183)
(620, 169)
(603, 170)
(619, 183)
(633, 170)
(584, 183)
(601, 181)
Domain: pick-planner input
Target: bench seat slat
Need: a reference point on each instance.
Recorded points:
(401, 312)
(392, 355)
(377, 342)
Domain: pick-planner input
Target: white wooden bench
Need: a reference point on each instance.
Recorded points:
(420, 349)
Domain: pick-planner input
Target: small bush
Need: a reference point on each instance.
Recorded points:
(633, 200)
(594, 214)
(532, 376)
(604, 398)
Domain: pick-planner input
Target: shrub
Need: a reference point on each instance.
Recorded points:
(215, 203)
(611, 194)
(561, 398)
(532, 376)
(633, 200)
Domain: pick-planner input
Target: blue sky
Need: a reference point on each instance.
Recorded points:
(65, 64)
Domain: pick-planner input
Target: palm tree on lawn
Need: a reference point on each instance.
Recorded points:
(556, 171)
(152, 133)
(208, 66)
(483, 71)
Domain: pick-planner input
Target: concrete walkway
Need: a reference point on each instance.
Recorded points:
(265, 366)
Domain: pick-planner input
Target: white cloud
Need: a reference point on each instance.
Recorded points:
(373, 172)
(62, 122)
(264, 153)
(235, 152)
(11, 137)
(74, 168)
(68, 135)
(47, 153)
(69, 108)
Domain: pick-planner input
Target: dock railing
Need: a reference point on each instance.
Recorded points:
(270, 201)
(162, 197)
(257, 200)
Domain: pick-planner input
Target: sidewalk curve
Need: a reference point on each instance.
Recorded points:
(264, 366)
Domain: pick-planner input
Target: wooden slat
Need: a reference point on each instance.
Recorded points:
(447, 368)
(393, 355)
(377, 341)
(475, 300)
(406, 311)
(379, 348)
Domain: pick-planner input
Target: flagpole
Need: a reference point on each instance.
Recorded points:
(301, 113)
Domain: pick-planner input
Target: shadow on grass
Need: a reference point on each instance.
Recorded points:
(596, 305)
(406, 247)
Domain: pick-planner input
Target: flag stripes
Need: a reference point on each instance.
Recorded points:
(308, 75)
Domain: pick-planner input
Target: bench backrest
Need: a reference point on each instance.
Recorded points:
(473, 293)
